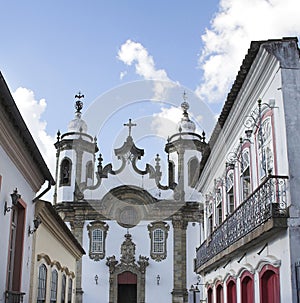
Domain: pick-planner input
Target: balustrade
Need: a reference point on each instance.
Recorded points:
(267, 201)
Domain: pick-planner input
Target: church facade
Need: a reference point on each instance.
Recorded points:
(140, 240)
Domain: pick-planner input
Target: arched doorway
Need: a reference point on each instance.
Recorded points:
(127, 287)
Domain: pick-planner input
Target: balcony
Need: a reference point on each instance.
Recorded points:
(14, 296)
(261, 214)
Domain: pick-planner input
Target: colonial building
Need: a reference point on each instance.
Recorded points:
(54, 255)
(140, 239)
(250, 251)
(38, 252)
(22, 174)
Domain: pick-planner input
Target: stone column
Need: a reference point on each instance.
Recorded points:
(179, 293)
(77, 230)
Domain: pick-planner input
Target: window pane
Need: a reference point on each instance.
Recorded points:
(42, 278)
(53, 294)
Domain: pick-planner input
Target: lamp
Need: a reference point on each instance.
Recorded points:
(14, 200)
(157, 279)
(194, 290)
(96, 279)
(36, 223)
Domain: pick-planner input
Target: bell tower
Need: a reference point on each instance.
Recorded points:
(75, 158)
(184, 150)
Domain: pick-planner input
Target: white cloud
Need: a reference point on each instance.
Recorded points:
(31, 111)
(166, 122)
(135, 53)
(237, 23)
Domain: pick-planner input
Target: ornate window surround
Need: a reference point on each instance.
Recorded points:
(153, 228)
(93, 228)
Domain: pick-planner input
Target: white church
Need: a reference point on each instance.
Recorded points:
(140, 246)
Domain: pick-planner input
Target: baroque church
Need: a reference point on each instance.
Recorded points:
(140, 247)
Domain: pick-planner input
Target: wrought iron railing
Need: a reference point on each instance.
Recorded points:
(14, 296)
(267, 201)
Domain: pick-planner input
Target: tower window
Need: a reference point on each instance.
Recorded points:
(65, 172)
(193, 174)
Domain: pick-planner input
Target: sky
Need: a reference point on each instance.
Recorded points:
(50, 50)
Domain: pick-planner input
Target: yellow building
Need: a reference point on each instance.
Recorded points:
(54, 255)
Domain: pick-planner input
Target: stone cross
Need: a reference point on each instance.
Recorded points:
(130, 125)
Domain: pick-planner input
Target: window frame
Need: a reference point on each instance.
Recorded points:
(92, 228)
(42, 283)
(163, 228)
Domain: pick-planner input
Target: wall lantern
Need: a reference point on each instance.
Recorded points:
(96, 279)
(157, 279)
(14, 200)
(36, 223)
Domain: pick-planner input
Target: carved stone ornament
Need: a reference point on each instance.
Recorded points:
(127, 264)
(128, 250)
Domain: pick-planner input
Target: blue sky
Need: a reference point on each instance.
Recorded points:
(51, 49)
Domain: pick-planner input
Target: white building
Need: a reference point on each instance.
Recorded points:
(22, 174)
(140, 239)
(250, 178)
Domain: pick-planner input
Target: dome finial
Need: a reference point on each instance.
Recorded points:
(79, 103)
(184, 105)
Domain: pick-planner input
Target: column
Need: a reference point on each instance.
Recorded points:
(179, 293)
(77, 230)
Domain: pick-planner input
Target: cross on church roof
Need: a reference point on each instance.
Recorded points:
(130, 125)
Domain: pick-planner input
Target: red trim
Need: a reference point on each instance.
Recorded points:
(247, 287)
(219, 292)
(231, 290)
(269, 284)
(127, 277)
(18, 248)
(209, 295)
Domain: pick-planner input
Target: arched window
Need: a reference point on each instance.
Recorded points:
(219, 293)
(158, 232)
(209, 295)
(247, 287)
(265, 148)
(171, 173)
(219, 206)
(193, 171)
(97, 234)
(230, 190)
(65, 172)
(269, 284)
(53, 292)
(42, 279)
(89, 170)
(231, 290)
(63, 289)
(245, 175)
(70, 286)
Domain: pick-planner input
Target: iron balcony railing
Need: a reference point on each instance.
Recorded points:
(14, 296)
(267, 201)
